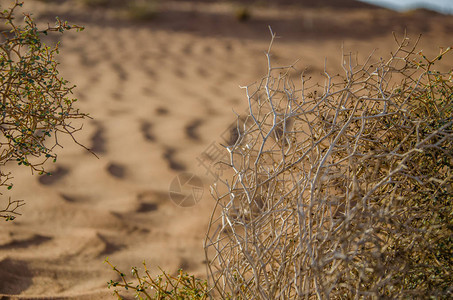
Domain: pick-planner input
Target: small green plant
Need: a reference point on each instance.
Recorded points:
(35, 102)
(143, 10)
(163, 286)
(242, 13)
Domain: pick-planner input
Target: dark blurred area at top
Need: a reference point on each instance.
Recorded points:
(298, 19)
(344, 4)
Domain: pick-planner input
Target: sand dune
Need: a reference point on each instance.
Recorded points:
(160, 92)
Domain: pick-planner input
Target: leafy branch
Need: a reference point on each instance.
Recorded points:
(36, 104)
(163, 286)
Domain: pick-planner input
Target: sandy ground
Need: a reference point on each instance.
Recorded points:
(160, 93)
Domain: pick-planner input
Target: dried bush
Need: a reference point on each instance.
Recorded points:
(36, 103)
(342, 190)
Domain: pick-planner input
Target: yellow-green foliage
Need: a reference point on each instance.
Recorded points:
(162, 286)
(35, 102)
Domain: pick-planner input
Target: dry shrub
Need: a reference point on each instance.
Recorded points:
(342, 190)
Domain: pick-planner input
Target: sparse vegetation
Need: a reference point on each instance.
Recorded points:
(36, 103)
(138, 10)
(143, 10)
(95, 3)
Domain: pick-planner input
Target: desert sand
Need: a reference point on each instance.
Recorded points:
(160, 92)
